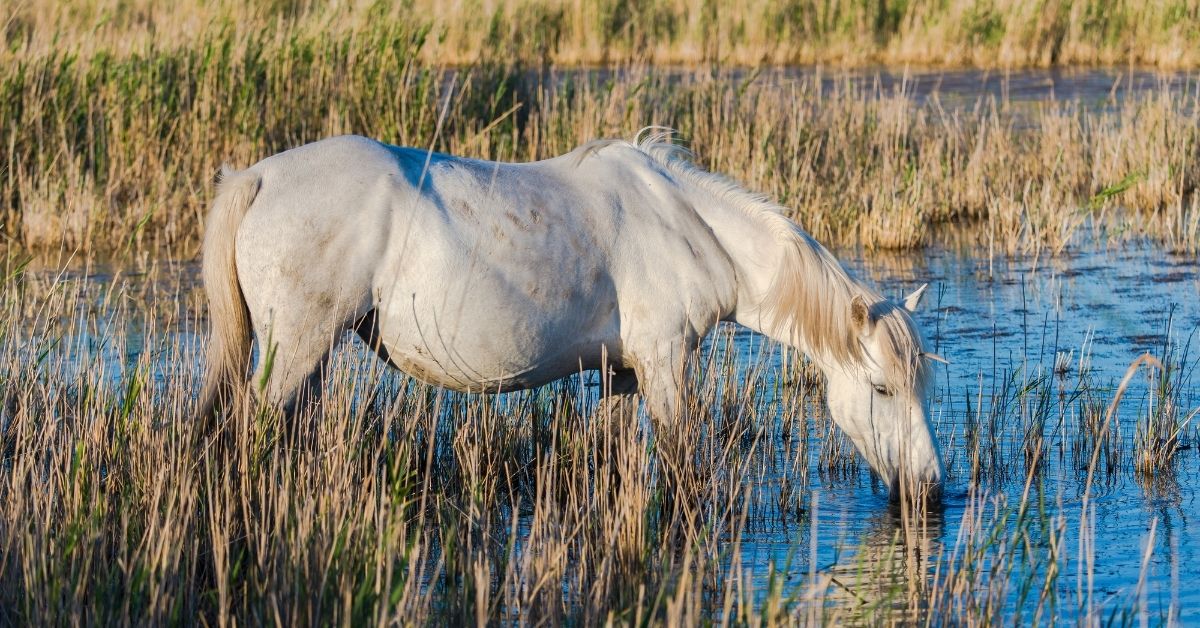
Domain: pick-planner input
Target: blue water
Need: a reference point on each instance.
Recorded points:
(1005, 325)
(1010, 321)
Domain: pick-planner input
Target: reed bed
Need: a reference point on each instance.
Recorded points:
(112, 145)
(400, 503)
(115, 150)
(990, 33)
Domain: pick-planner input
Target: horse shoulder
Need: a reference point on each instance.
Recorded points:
(674, 269)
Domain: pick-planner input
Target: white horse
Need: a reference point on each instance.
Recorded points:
(483, 276)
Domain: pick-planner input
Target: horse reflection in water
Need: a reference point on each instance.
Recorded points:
(885, 578)
(487, 276)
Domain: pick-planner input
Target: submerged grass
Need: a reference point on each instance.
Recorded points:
(402, 503)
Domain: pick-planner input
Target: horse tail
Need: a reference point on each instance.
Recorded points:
(229, 318)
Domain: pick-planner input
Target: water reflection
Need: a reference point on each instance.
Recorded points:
(886, 576)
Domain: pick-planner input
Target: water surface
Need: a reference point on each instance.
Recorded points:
(1013, 324)
(1031, 341)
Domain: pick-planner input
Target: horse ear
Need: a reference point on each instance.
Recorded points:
(860, 315)
(913, 300)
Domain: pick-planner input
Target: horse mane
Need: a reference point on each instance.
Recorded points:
(811, 293)
(587, 149)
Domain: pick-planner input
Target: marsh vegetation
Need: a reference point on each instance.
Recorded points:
(1060, 234)
(992, 33)
(112, 143)
(404, 502)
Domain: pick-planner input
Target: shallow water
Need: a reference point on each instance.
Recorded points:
(1005, 325)
(1092, 88)
(1007, 321)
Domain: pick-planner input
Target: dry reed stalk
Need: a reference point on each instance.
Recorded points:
(399, 503)
(1001, 33)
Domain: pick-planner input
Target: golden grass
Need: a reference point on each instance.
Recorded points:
(114, 117)
(117, 153)
(990, 33)
(405, 504)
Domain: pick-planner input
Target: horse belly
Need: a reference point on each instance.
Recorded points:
(491, 335)
(491, 358)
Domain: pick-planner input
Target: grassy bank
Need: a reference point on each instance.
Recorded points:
(986, 33)
(117, 151)
(401, 503)
(115, 118)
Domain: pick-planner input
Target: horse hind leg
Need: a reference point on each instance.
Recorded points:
(293, 356)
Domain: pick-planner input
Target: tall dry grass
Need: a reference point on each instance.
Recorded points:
(405, 504)
(116, 151)
(987, 33)
(114, 118)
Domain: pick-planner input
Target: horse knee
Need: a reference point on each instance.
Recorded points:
(661, 384)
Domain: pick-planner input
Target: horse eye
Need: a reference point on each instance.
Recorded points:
(882, 390)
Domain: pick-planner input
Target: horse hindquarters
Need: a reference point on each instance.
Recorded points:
(302, 297)
(290, 355)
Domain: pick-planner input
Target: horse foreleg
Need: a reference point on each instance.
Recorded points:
(662, 381)
(619, 394)
(661, 373)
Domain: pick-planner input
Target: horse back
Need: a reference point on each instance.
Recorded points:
(482, 273)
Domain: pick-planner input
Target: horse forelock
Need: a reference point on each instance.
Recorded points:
(902, 349)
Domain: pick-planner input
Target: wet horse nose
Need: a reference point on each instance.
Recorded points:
(923, 474)
(923, 483)
(930, 479)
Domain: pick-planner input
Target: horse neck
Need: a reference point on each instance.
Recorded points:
(813, 289)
